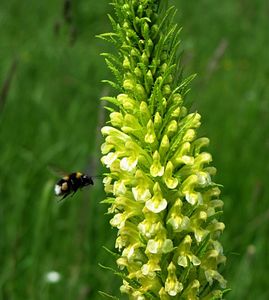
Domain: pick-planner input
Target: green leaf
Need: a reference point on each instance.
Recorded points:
(108, 200)
(112, 100)
(203, 246)
(117, 255)
(105, 295)
(113, 84)
(115, 70)
(109, 37)
(184, 84)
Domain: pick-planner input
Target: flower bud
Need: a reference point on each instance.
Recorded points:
(150, 136)
(156, 168)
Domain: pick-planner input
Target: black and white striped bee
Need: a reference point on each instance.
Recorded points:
(69, 184)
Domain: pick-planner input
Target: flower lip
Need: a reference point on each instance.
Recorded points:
(108, 159)
(155, 206)
(128, 163)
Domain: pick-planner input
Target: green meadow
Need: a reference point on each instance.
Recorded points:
(50, 119)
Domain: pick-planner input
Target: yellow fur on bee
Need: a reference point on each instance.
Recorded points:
(64, 186)
(78, 175)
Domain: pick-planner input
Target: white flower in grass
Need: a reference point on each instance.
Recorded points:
(53, 277)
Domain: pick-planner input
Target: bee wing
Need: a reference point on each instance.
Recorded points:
(57, 171)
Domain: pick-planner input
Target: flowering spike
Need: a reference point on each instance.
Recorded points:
(163, 201)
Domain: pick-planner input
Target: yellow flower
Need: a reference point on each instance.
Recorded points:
(157, 203)
(172, 285)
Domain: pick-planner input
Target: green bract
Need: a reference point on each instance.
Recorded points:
(163, 200)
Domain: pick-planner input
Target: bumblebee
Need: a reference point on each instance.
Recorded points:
(71, 183)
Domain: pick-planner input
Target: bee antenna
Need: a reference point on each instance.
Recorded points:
(98, 176)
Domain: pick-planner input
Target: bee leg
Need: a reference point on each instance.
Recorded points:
(64, 196)
(73, 193)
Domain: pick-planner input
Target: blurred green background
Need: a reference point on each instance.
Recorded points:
(50, 114)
